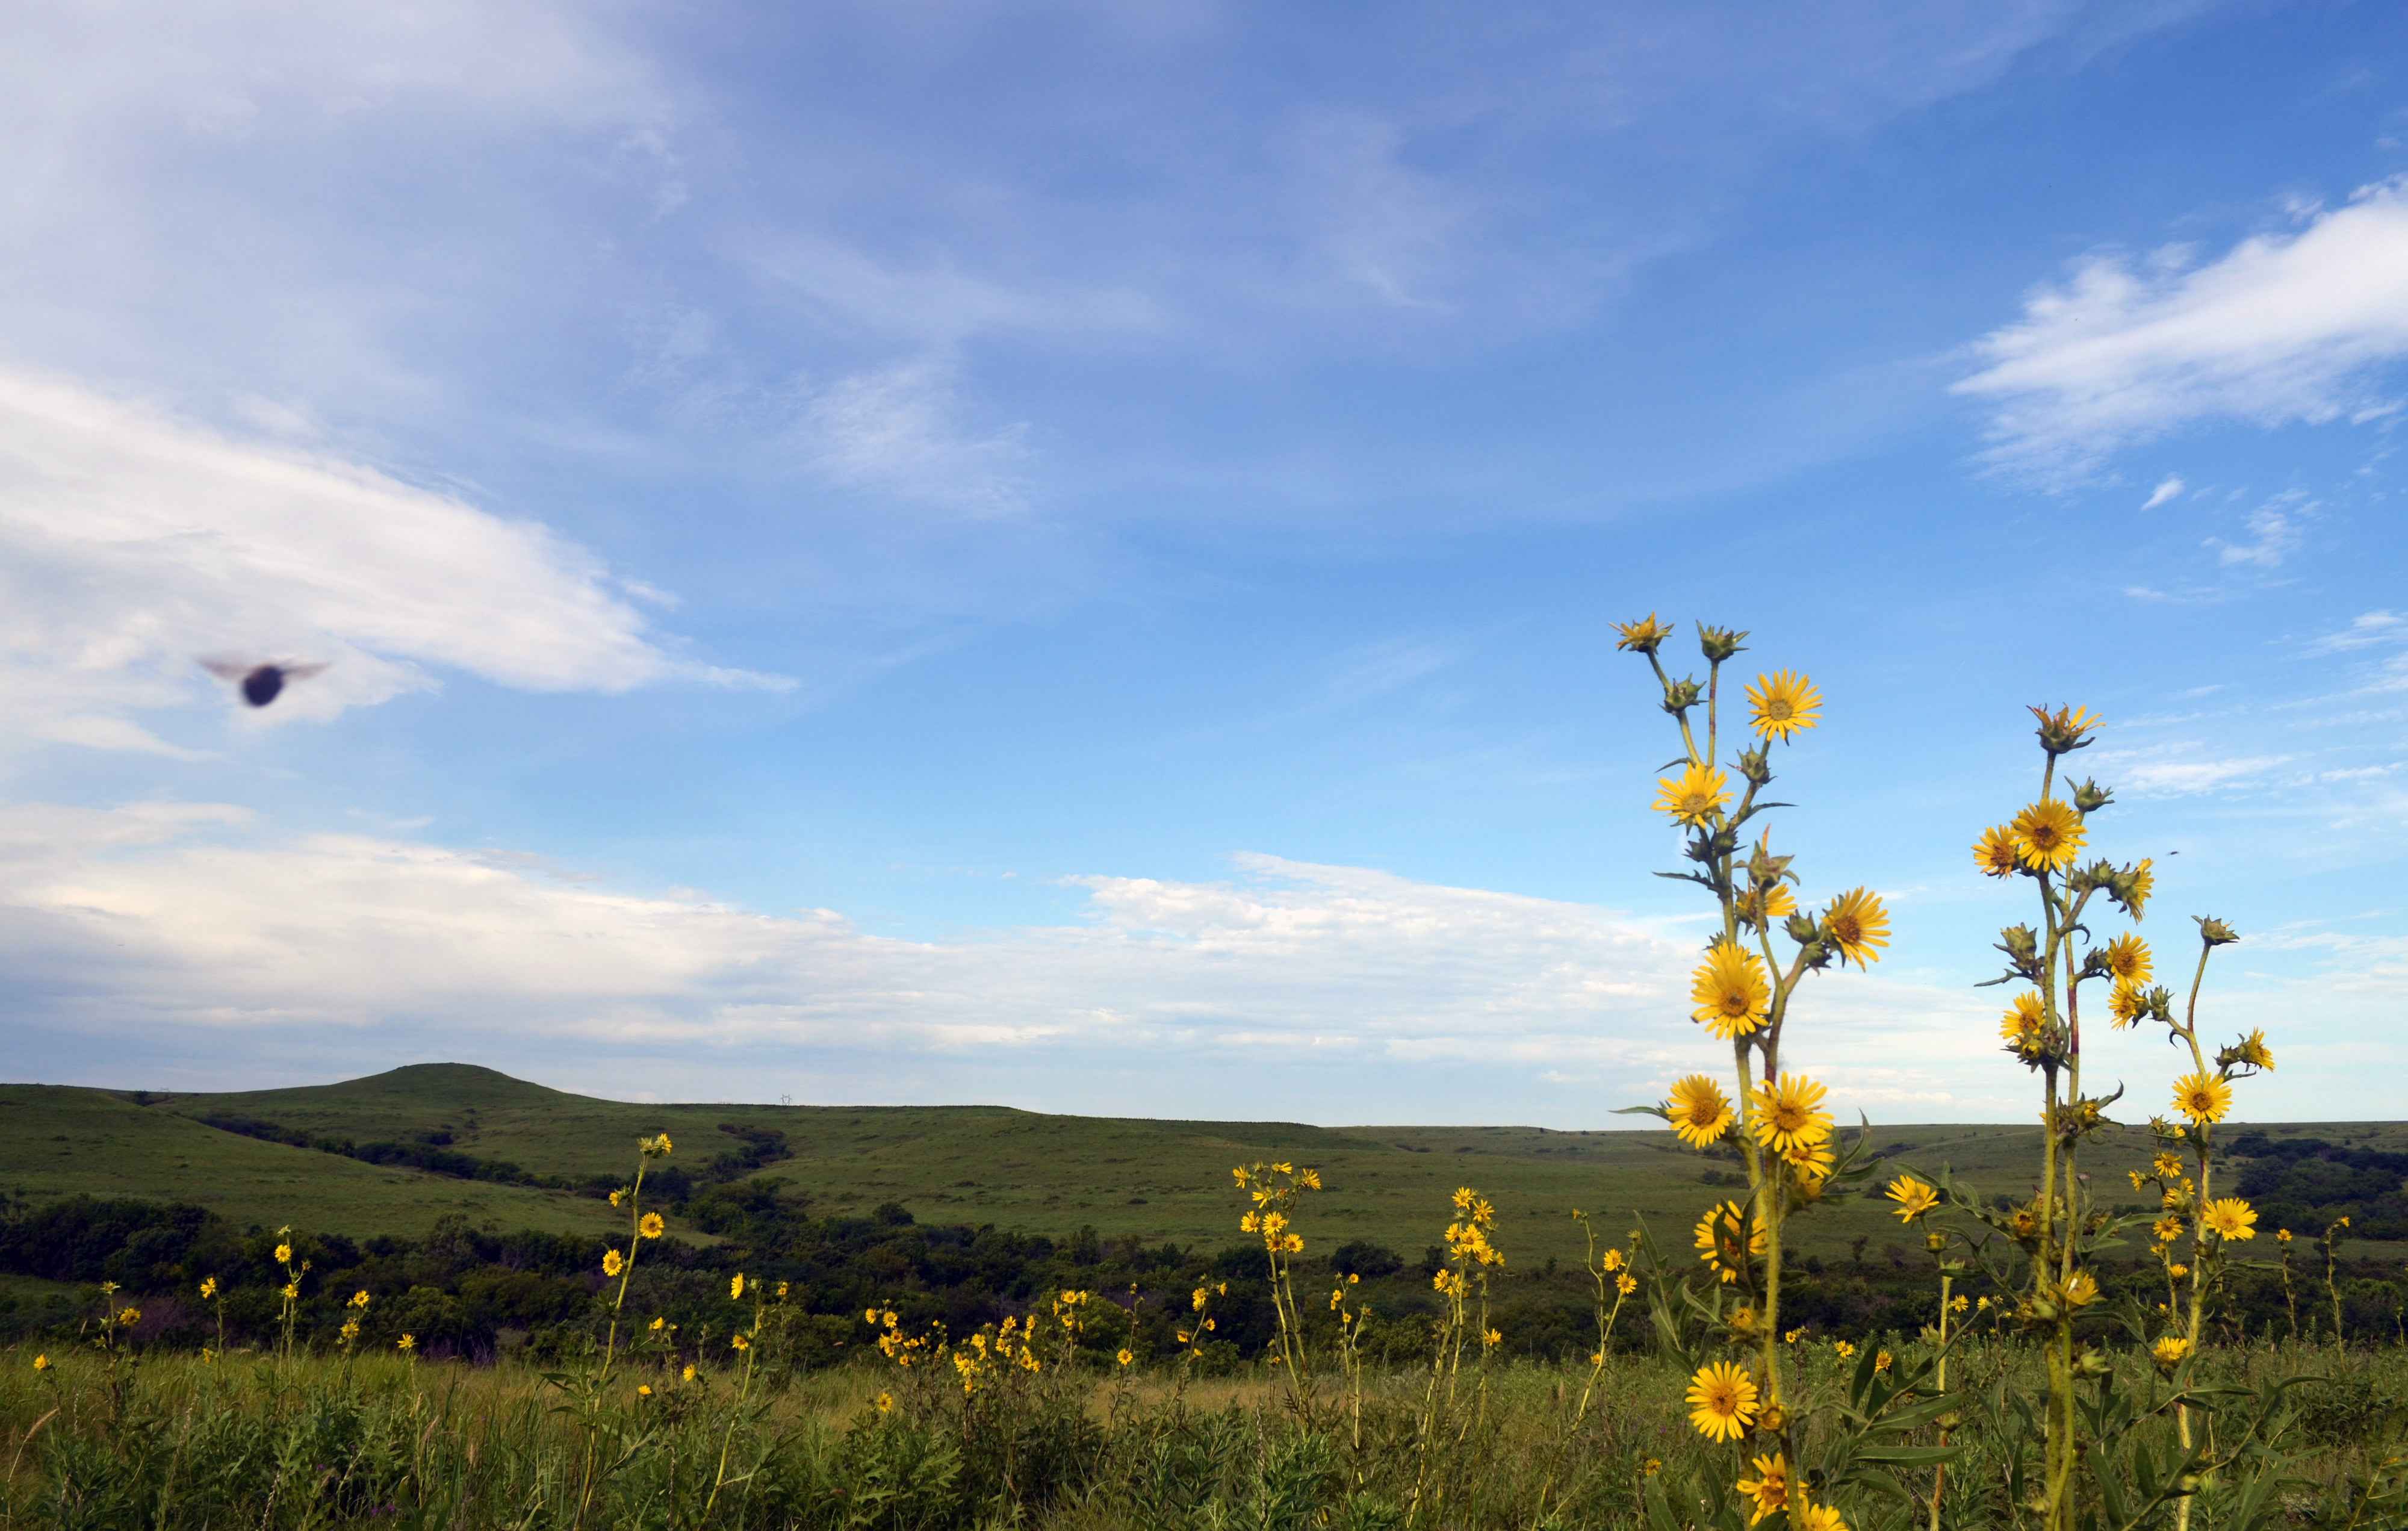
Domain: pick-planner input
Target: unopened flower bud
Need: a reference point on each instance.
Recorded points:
(1681, 696)
(1718, 643)
(1756, 764)
(2090, 796)
(1801, 928)
(2215, 932)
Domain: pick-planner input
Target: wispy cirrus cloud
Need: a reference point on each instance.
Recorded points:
(2281, 328)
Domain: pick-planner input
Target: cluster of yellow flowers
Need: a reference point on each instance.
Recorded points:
(1204, 1324)
(1467, 1237)
(1274, 1189)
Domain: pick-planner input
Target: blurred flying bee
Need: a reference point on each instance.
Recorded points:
(261, 683)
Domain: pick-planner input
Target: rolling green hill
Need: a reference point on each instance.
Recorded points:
(56, 1142)
(1156, 1180)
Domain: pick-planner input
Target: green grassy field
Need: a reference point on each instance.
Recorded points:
(1156, 1179)
(56, 1142)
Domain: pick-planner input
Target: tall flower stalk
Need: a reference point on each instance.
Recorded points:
(1741, 992)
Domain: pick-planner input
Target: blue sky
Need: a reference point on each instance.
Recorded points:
(1063, 555)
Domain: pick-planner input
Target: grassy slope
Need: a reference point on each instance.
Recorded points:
(1046, 1174)
(56, 1142)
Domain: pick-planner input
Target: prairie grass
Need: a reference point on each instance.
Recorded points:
(380, 1441)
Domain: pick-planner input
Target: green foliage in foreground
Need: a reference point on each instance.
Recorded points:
(176, 1442)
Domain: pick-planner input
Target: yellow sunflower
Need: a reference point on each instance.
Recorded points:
(1812, 1163)
(613, 1262)
(1913, 1197)
(1769, 1488)
(2127, 1003)
(1694, 796)
(1858, 925)
(2202, 1097)
(652, 1227)
(1790, 1112)
(1820, 1518)
(1718, 1240)
(1781, 704)
(2168, 1353)
(2231, 1218)
(1766, 903)
(2143, 881)
(1722, 1401)
(1730, 989)
(1995, 853)
(2048, 835)
(2025, 1026)
(2253, 1051)
(1645, 634)
(2128, 958)
(1700, 1113)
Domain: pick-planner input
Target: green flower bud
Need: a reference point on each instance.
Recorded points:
(2090, 796)
(1681, 696)
(1718, 643)
(2215, 932)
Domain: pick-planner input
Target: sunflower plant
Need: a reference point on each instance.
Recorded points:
(1763, 945)
(2060, 1231)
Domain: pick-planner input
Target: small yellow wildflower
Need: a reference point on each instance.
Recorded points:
(1843, 1348)
(2169, 1352)
(1913, 1197)
(1646, 635)
(1699, 1113)
(1769, 1488)
(41, 1363)
(1729, 991)
(1858, 926)
(1790, 1112)
(735, 1286)
(1781, 704)
(2128, 960)
(1721, 1400)
(208, 1286)
(1695, 797)
(652, 1226)
(1995, 853)
(2048, 835)
(2230, 1218)
(613, 1262)
(407, 1342)
(2202, 1097)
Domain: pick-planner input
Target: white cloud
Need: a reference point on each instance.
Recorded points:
(131, 543)
(2365, 630)
(897, 429)
(2171, 486)
(2167, 771)
(2275, 530)
(173, 924)
(2282, 328)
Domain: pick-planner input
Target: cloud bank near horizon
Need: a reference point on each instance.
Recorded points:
(189, 929)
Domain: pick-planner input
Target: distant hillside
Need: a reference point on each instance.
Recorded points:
(1158, 1179)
